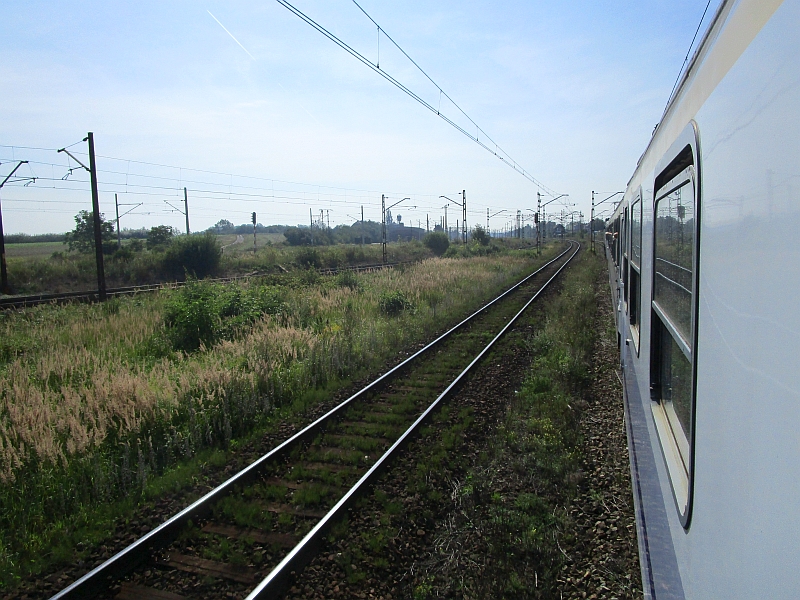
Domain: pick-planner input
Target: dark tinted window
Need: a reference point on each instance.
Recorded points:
(674, 253)
(636, 232)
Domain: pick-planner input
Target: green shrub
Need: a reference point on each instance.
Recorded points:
(195, 255)
(308, 258)
(192, 317)
(203, 313)
(393, 303)
(348, 279)
(437, 242)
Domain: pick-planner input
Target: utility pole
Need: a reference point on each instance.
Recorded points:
(186, 207)
(487, 220)
(446, 228)
(116, 206)
(362, 225)
(427, 223)
(98, 234)
(591, 226)
(383, 226)
(464, 209)
(544, 222)
(311, 225)
(329, 218)
(538, 223)
(254, 234)
(3, 272)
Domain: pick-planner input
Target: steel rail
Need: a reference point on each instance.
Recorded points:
(127, 559)
(275, 583)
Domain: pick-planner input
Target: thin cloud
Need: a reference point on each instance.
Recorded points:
(232, 36)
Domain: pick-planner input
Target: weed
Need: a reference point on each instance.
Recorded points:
(393, 303)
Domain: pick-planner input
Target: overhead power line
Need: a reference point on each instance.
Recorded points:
(496, 151)
(688, 52)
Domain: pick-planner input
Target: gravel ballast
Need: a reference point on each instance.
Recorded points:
(445, 528)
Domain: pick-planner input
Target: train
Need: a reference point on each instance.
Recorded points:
(704, 265)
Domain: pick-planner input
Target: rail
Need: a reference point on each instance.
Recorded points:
(130, 557)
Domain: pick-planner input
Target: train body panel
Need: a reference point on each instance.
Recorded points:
(707, 274)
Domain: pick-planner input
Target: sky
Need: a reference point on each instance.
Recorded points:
(251, 109)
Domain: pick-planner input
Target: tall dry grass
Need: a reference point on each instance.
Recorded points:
(91, 404)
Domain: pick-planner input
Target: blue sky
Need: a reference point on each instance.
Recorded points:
(570, 90)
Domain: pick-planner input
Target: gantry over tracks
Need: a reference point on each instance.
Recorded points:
(291, 497)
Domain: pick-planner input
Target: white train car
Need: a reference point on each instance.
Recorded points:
(704, 252)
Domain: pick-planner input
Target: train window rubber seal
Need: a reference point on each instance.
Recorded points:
(679, 164)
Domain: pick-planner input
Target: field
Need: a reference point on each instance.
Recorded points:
(34, 249)
(98, 400)
(229, 242)
(46, 249)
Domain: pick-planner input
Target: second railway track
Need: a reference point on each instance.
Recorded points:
(244, 538)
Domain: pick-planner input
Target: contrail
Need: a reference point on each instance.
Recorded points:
(301, 106)
(230, 34)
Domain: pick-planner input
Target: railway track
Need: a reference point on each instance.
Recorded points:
(249, 535)
(13, 302)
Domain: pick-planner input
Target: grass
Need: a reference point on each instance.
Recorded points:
(510, 504)
(49, 267)
(33, 249)
(100, 407)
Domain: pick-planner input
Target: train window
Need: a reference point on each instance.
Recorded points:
(673, 310)
(624, 264)
(674, 253)
(636, 232)
(635, 279)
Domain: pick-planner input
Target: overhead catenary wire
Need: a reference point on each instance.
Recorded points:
(216, 194)
(497, 151)
(686, 59)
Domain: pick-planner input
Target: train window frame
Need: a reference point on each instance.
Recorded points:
(635, 277)
(625, 256)
(665, 337)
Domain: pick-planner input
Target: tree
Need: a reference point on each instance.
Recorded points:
(297, 237)
(479, 235)
(81, 239)
(159, 237)
(437, 241)
(224, 226)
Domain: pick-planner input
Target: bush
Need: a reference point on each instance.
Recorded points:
(308, 258)
(393, 303)
(297, 237)
(195, 255)
(437, 242)
(348, 279)
(203, 313)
